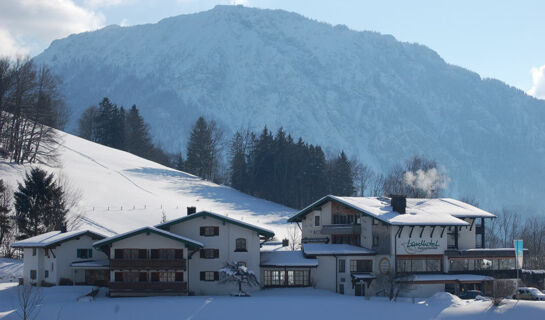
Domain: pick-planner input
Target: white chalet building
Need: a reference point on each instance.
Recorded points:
(429, 244)
(56, 257)
(350, 245)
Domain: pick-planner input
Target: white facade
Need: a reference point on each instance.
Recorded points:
(49, 263)
(424, 240)
(225, 242)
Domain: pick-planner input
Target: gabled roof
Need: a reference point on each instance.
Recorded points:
(188, 242)
(53, 238)
(264, 232)
(443, 211)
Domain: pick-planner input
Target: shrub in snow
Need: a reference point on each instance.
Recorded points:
(503, 288)
(65, 282)
(239, 275)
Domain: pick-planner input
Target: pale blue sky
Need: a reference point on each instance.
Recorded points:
(499, 39)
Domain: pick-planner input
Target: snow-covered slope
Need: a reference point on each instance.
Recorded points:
(120, 191)
(376, 98)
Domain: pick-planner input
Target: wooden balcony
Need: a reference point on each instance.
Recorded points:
(147, 288)
(123, 264)
(331, 229)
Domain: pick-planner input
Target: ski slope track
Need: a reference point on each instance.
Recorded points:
(120, 191)
(366, 93)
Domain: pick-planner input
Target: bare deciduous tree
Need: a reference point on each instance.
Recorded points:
(29, 298)
(393, 284)
(294, 237)
(30, 108)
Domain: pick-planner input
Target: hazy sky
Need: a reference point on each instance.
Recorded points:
(499, 39)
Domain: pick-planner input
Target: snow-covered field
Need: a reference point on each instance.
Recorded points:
(10, 270)
(120, 191)
(301, 303)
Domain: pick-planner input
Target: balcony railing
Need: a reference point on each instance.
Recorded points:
(151, 287)
(179, 264)
(341, 229)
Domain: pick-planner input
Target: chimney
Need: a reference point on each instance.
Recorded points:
(399, 203)
(191, 210)
(63, 228)
(285, 243)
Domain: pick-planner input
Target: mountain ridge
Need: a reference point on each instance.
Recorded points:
(366, 93)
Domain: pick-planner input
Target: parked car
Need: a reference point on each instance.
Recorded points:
(529, 293)
(470, 294)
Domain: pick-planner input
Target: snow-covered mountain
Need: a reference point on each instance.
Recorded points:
(118, 191)
(367, 93)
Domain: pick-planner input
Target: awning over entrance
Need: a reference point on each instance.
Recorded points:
(363, 276)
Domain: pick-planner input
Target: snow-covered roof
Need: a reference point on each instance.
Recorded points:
(274, 246)
(286, 259)
(323, 249)
(91, 264)
(54, 237)
(262, 231)
(121, 236)
(442, 211)
(445, 277)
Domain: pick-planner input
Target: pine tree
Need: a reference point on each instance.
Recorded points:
(39, 204)
(341, 181)
(239, 166)
(202, 150)
(137, 137)
(179, 163)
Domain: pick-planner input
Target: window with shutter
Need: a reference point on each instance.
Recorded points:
(118, 277)
(179, 253)
(240, 245)
(209, 276)
(119, 253)
(209, 231)
(209, 253)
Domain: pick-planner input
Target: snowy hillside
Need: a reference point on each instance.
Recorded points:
(120, 191)
(376, 98)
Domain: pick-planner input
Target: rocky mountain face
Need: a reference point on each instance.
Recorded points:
(378, 99)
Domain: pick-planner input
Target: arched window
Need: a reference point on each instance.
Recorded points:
(241, 244)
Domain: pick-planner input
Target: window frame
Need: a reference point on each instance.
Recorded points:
(209, 276)
(209, 231)
(342, 262)
(241, 248)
